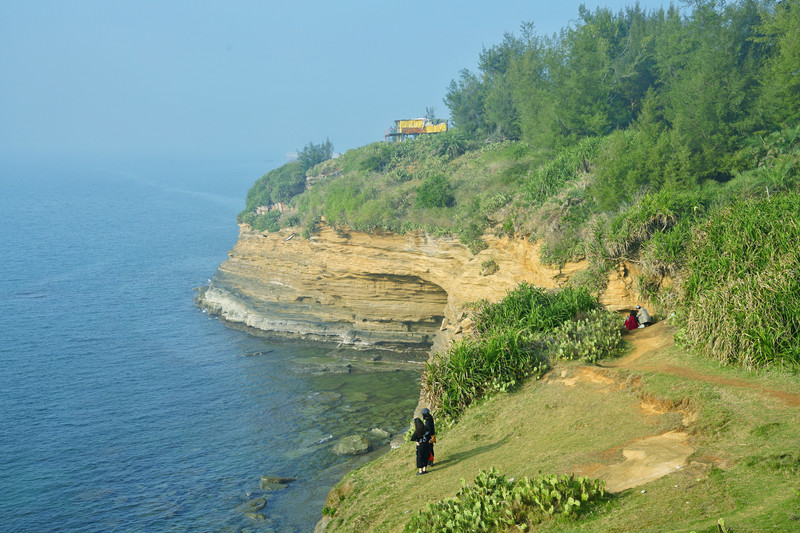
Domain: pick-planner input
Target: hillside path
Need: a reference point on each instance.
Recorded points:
(649, 458)
(660, 336)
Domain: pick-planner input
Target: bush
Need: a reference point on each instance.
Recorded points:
(590, 338)
(489, 267)
(741, 298)
(435, 191)
(509, 346)
(267, 222)
(593, 279)
(278, 185)
(379, 160)
(494, 503)
(451, 143)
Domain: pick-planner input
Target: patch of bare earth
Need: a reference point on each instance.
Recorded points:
(644, 459)
(652, 457)
(660, 336)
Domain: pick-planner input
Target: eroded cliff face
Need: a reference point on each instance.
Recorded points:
(378, 289)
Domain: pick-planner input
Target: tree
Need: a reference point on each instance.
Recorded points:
(780, 79)
(465, 99)
(314, 154)
(430, 114)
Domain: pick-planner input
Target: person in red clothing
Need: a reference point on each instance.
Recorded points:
(631, 323)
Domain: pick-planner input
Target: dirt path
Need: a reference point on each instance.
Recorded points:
(655, 456)
(660, 336)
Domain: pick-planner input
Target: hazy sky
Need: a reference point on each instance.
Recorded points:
(239, 78)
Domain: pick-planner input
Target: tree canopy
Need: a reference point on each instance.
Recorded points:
(690, 82)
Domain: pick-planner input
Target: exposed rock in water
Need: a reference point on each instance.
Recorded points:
(352, 445)
(270, 483)
(256, 517)
(356, 396)
(256, 504)
(380, 433)
(325, 397)
(277, 479)
(320, 365)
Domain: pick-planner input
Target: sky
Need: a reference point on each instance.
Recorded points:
(239, 78)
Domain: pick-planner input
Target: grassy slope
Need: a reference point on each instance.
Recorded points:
(744, 428)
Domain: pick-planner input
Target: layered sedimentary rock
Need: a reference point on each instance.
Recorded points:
(377, 289)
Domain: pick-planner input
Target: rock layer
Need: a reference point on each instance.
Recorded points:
(376, 289)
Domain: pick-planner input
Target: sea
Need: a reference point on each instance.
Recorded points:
(123, 407)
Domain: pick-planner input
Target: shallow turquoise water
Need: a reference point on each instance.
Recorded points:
(122, 406)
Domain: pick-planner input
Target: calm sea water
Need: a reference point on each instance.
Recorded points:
(122, 406)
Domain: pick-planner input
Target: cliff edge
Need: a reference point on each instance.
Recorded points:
(377, 289)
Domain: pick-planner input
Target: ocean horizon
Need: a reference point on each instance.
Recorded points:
(126, 408)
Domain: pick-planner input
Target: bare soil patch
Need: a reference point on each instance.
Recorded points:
(649, 458)
(660, 336)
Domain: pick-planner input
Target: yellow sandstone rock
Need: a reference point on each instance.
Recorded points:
(376, 289)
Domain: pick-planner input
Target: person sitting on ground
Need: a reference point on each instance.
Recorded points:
(431, 429)
(631, 323)
(643, 316)
(420, 438)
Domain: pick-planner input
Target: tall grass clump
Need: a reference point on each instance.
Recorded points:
(495, 503)
(533, 309)
(547, 179)
(741, 298)
(511, 342)
(651, 214)
(477, 367)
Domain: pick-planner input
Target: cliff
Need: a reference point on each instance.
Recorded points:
(379, 289)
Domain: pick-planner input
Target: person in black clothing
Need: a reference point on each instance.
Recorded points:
(420, 437)
(430, 428)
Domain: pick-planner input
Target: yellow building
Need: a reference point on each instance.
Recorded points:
(413, 127)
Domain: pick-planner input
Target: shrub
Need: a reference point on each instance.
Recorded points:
(560, 247)
(489, 267)
(435, 191)
(593, 279)
(741, 299)
(451, 143)
(379, 160)
(509, 346)
(470, 236)
(494, 503)
(590, 338)
(267, 222)
(278, 185)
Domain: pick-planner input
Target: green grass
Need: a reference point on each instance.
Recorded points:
(743, 469)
